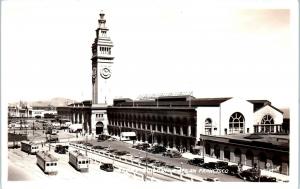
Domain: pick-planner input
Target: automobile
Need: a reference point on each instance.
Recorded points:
(158, 149)
(222, 165)
(250, 175)
(172, 154)
(210, 165)
(112, 139)
(141, 146)
(233, 169)
(211, 179)
(99, 147)
(196, 161)
(52, 138)
(107, 167)
(147, 160)
(159, 163)
(103, 137)
(87, 144)
(264, 178)
(121, 153)
(111, 150)
(61, 149)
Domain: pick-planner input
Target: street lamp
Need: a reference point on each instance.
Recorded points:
(86, 144)
(152, 132)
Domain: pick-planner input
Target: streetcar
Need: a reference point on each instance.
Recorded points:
(29, 147)
(79, 161)
(47, 162)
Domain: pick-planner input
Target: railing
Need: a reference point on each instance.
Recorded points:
(178, 175)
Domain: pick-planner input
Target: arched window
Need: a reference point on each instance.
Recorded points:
(267, 120)
(208, 126)
(236, 123)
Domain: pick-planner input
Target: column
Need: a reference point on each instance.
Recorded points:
(188, 145)
(181, 131)
(146, 137)
(168, 142)
(221, 152)
(74, 119)
(77, 117)
(212, 152)
(168, 129)
(174, 144)
(232, 158)
(243, 157)
(285, 168)
(82, 119)
(269, 164)
(189, 131)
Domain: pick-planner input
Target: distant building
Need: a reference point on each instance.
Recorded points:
(20, 110)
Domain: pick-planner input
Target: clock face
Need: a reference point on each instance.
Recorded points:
(94, 72)
(105, 73)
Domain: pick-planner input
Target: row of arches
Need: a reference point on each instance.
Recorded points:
(237, 124)
(228, 153)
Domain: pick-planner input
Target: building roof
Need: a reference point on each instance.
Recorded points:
(277, 142)
(271, 107)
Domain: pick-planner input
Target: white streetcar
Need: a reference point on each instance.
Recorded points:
(79, 161)
(47, 162)
(29, 147)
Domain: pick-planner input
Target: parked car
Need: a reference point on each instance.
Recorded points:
(222, 165)
(196, 161)
(61, 149)
(159, 163)
(233, 169)
(107, 167)
(250, 175)
(172, 154)
(142, 146)
(158, 149)
(103, 137)
(211, 179)
(267, 179)
(148, 160)
(121, 153)
(99, 147)
(210, 165)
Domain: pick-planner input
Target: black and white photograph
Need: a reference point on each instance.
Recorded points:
(102, 93)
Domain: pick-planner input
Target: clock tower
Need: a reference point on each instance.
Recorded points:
(102, 61)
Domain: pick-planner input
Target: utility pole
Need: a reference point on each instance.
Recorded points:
(86, 144)
(146, 167)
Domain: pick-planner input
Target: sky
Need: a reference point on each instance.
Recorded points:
(213, 50)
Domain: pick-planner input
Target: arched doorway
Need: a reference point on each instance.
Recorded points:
(207, 149)
(277, 162)
(99, 128)
(262, 160)
(217, 151)
(226, 154)
(237, 155)
(249, 158)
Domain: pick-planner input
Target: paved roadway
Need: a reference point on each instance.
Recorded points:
(171, 161)
(22, 167)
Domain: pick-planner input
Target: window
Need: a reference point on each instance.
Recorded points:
(236, 123)
(248, 130)
(267, 120)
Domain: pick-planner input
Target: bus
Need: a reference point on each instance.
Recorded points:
(79, 161)
(47, 162)
(128, 136)
(75, 128)
(29, 147)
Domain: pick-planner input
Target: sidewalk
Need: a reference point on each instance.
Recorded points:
(263, 172)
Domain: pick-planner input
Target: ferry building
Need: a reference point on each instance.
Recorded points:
(175, 121)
